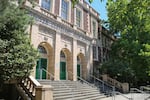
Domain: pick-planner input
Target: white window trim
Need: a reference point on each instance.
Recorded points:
(96, 34)
(69, 10)
(81, 22)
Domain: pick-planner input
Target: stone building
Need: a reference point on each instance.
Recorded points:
(63, 36)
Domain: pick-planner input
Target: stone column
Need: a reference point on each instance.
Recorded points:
(74, 59)
(34, 38)
(57, 56)
(89, 55)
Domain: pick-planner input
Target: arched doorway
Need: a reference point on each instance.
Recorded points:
(66, 67)
(41, 66)
(62, 66)
(81, 66)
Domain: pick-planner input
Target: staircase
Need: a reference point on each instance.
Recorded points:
(73, 90)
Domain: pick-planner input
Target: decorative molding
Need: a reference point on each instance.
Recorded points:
(60, 27)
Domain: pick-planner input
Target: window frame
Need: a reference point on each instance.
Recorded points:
(64, 11)
(50, 4)
(80, 17)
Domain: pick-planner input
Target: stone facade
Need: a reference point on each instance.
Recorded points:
(53, 33)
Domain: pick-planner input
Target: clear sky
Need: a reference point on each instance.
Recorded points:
(100, 7)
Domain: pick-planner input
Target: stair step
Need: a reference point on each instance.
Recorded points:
(73, 90)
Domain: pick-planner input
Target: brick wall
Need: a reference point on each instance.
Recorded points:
(72, 15)
(85, 16)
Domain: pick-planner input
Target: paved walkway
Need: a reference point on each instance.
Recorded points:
(135, 96)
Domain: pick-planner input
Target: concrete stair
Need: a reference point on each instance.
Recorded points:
(73, 90)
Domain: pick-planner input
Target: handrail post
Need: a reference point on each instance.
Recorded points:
(114, 92)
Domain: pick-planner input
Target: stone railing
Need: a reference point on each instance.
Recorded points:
(124, 87)
(35, 90)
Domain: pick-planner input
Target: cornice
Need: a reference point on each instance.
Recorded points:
(58, 26)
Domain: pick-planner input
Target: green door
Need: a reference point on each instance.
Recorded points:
(41, 64)
(62, 70)
(78, 70)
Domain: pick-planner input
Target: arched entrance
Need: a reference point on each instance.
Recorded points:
(66, 68)
(45, 62)
(62, 66)
(81, 66)
(41, 63)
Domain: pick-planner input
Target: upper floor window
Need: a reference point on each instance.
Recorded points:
(46, 4)
(95, 53)
(64, 9)
(94, 28)
(78, 17)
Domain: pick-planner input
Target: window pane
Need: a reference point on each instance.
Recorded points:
(64, 9)
(78, 18)
(46, 4)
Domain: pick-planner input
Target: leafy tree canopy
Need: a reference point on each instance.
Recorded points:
(17, 55)
(131, 18)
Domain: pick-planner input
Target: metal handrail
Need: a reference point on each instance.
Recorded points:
(140, 91)
(116, 92)
(113, 87)
(61, 82)
(83, 80)
(103, 83)
(48, 73)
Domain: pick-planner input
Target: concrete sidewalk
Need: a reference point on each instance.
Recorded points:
(135, 96)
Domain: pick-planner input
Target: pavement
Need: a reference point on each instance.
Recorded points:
(134, 96)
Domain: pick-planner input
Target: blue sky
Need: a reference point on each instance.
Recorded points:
(100, 7)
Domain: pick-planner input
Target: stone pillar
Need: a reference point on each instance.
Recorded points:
(74, 59)
(89, 53)
(125, 87)
(44, 92)
(57, 56)
(104, 77)
(34, 38)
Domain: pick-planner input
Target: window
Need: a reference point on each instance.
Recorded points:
(78, 18)
(64, 9)
(95, 53)
(94, 29)
(46, 4)
(42, 50)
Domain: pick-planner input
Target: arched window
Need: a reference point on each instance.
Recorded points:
(41, 49)
(62, 55)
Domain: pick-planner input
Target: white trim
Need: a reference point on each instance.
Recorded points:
(96, 25)
(69, 10)
(81, 17)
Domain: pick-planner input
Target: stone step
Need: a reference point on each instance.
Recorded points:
(80, 97)
(73, 90)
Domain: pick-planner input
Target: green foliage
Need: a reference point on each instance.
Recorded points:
(17, 55)
(130, 18)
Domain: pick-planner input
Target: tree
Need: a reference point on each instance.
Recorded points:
(130, 56)
(17, 55)
(130, 18)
